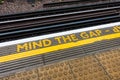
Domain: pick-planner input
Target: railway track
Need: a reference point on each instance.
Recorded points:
(25, 44)
(38, 31)
(59, 10)
(6, 36)
(71, 2)
(26, 5)
(16, 29)
(58, 19)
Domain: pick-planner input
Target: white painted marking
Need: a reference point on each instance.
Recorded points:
(3, 44)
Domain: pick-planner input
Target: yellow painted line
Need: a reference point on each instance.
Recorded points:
(57, 47)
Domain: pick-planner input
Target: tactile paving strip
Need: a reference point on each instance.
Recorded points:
(111, 62)
(88, 68)
(104, 65)
(59, 71)
(25, 75)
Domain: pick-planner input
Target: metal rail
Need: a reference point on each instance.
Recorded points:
(72, 2)
(60, 15)
(60, 18)
(56, 28)
(59, 10)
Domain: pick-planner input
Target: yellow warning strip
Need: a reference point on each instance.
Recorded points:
(57, 47)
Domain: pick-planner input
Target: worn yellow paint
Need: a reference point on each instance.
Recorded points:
(57, 47)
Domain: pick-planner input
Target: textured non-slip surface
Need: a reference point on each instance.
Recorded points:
(56, 56)
(103, 65)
